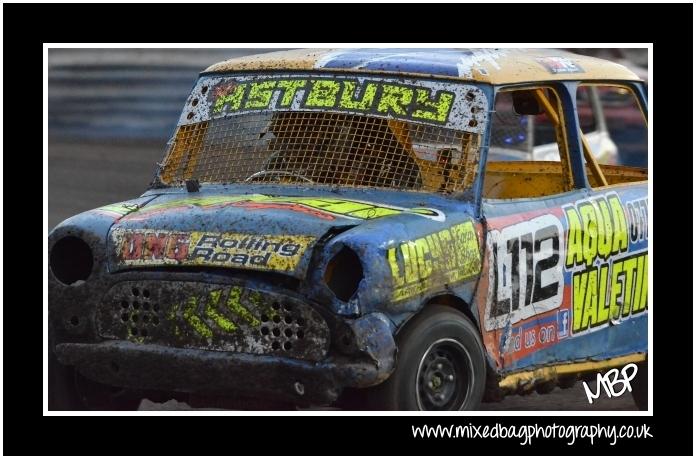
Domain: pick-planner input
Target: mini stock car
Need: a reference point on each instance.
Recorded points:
(328, 222)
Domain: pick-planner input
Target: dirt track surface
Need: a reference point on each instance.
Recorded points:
(573, 399)
(83, 176)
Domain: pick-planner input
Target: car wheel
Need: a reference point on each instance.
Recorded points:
(70, 391)
(640, 386)
(440, 365)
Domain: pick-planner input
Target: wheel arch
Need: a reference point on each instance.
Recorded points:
(455, 302)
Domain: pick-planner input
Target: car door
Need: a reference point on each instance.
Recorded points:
(615, 260)
(524, 293)
(565, 266)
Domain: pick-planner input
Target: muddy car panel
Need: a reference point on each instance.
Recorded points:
(593, 300)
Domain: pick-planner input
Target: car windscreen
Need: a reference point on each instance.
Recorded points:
(342, 130)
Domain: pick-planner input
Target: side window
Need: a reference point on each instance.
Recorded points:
(528, 152)
(615, 133)
(587, 105)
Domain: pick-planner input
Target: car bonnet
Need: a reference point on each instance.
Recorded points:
(240, 231)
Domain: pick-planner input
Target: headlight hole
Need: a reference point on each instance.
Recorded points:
(71, 260)
(343, 274)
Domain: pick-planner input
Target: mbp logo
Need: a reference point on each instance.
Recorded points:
(610, 380)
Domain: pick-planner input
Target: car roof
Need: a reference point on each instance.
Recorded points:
(495, 66)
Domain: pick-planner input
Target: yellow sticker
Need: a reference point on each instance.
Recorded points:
(149, 247)
(445, 257)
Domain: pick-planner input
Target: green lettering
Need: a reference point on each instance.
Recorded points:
(260, 94)
(629, 267)
(290, 88)
(616, 289)
(589, 241)
(641, 276)
(579, 292)
(589, 318)
(450, 259)
(604, 229)
(408, 250)
(394, 100)
(435, 252)
(433, 110)
(425, 266)
(643, 303)
(574, 249)
(348, 96)
(602, 309)
(620, 227)
(323, 94)
(394, 266)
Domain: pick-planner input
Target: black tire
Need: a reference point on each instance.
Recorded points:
(640, 386)
(70, 391)
(440, 366)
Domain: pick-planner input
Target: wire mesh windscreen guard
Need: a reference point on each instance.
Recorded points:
(321, 146)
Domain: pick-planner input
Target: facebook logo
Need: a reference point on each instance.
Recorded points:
(563, 323)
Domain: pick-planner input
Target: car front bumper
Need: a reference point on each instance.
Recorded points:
(155, 367)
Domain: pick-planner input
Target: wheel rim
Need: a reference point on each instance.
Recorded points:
(445, 377)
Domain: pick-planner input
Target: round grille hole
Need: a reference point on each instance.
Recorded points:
(135, 291)
(276, 319)
(134, 318)
(204, 89)
(264, 330)
(275, 345)
(287, 346)
(124, 317)
(146, 318)
(136, 305)
(264, 318)
(189, 116)
(155, 320)
(194, 102)
(124, 304)
(146, 293)
(276, 332)
(275, 306)
(473, 123)
(114, 367)
(300, 334)
(134, 331)
(155, 308)
(300, 321)
(470, 96)
(288, 319)
(146, 306)
(144, 332)
(288, 332)
(287, 307)
(74, 321)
